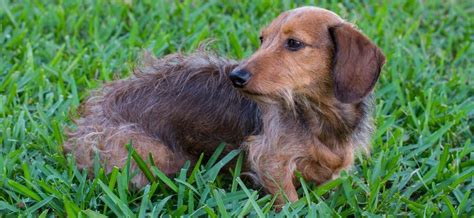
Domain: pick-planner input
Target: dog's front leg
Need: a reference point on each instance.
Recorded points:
(274, 168)
(282, 186)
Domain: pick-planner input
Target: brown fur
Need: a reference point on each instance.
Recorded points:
(306, 110)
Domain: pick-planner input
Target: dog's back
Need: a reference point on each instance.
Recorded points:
(184, 102)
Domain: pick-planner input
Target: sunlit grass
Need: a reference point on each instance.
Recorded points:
(52, 55)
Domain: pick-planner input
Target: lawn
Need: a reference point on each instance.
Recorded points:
(54, 54)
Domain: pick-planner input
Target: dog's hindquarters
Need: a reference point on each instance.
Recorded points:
(98, 135)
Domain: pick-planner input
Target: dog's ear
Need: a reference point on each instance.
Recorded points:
(357, 63)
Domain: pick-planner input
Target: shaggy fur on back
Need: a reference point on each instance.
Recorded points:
(186, 101)
(183, 102)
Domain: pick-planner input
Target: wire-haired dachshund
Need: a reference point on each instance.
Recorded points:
(302, 102)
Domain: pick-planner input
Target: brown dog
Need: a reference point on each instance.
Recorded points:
(302, 103)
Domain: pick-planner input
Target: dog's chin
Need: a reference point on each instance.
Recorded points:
(253, 95)
(258, 97)
(250, 93)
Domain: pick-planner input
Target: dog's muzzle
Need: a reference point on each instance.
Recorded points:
(239, 78)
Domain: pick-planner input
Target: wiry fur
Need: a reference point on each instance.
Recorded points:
(176, 107)
(318, 142)
(307, 110)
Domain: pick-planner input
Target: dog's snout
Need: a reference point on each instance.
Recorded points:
(240, 77)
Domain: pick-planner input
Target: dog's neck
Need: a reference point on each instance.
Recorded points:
(330, 121)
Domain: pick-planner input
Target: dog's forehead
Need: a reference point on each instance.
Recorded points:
(304, 17)
(317, 12)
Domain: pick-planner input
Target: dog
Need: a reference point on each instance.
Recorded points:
(302, 102)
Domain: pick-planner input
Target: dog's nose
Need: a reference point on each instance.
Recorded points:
(240, 78)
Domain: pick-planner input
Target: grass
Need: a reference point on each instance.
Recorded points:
(54, 53)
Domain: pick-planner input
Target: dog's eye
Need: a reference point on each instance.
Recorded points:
(261, 39)
(294, 45)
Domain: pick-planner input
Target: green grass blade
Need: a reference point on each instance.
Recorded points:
(15, 186)
(115, 202)
(167, 181)
(141, 164)
(252, 200)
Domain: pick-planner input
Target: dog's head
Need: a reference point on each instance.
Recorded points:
(310, 50)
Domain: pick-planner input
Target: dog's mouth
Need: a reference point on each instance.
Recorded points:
(251, 93)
